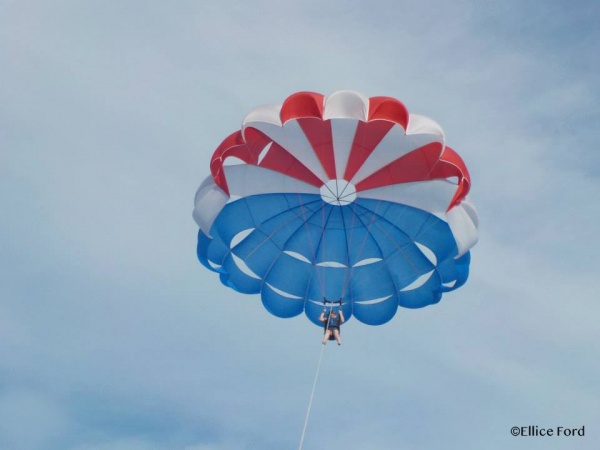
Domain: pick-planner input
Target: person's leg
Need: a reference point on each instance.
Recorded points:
(327, 336)
(336, 334)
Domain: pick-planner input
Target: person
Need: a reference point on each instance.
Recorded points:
(332, 324)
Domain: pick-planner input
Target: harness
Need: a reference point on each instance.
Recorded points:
(332, 322)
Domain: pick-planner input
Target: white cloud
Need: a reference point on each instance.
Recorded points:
(30, 419)
(110, 328)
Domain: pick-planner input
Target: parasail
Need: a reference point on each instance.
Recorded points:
(341, 197)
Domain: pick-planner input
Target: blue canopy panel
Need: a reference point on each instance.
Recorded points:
(202, 249)
(461, 267)
(296, 249)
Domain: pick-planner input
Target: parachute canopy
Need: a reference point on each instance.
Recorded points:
(337, 197)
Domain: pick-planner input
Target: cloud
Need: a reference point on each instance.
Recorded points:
(115, 337)
(30, 419)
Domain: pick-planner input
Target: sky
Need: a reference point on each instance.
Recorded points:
(114, 337)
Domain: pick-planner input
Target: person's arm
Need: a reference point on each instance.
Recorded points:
(322, 317)
(342, 319)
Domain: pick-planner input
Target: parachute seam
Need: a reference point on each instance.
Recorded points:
(315, 250)
(322, 240)
(272, 233)
(367, 229)
(349, 240)
(258, 224)
(378, 246)
(435, 266)
(304, 223)
(398, 247)
(384, 267)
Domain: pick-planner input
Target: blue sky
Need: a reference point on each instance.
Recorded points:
(114, 337)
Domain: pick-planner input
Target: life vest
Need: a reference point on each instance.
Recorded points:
(333, 321)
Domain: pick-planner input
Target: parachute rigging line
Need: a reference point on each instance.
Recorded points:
(312, 395)
(283, 225)
(310, 241)
(350, 242)
(314, 387)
